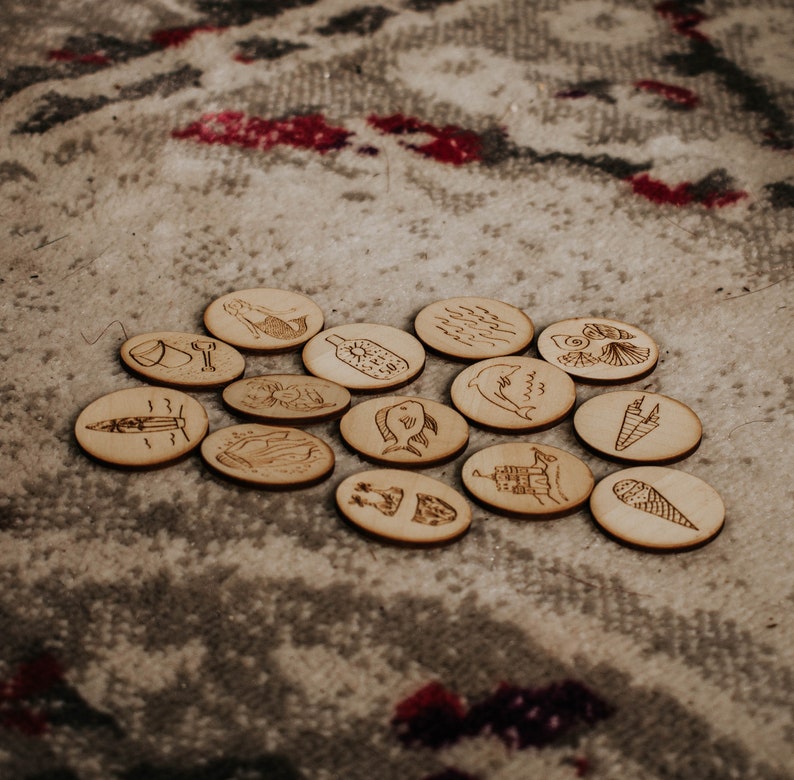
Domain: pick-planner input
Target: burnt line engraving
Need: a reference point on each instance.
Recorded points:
(640, 495)
(636, 424)
(259, 320)
(533, 480)
(500, 385)
(366, 356)
(403, 427)
(471, 325)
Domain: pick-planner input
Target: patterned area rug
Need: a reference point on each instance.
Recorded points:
(574, 158)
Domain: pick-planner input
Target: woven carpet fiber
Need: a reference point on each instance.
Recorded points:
(574, 158)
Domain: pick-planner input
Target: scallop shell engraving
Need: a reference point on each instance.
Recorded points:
(577, 359)
(570, 342)
(595, 330)
(621, 353)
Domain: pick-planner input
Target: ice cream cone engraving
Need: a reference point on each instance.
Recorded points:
(158, 353)
(636, 424)
(366, 356)
(640, 495)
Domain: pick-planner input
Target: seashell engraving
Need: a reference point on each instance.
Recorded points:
(578, 359)
(621, 353)
(641, 495)
(570, 342)
(595, 330)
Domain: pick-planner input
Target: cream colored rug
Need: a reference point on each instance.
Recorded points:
(573, 158)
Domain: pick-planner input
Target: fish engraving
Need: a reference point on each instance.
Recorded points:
(403, 425)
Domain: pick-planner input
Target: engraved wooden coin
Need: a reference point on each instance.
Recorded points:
(405, 430)
(527, 479)
(513, 394)
(637, 427)
(599, 350)
(657, 508)
(365, 356)
(268, 456)
(264, 319)
(182, 359)
(287, 398)
(471, 328)
(141, 426)
(403, 506)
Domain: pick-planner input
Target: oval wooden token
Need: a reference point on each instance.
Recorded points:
(404, 430)
(527, 479)
(182, 359)
(268, 456)
(514, 394)
(403, 506)
(264, 319)
(287, 398)
(141, 426)
(638, 427)
(657, 508)
(365, 356)
(471, 328)
(599, 350)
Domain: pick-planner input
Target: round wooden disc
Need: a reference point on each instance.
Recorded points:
(182, 359)
(514, 394)
(403, 506)
(141, 426)
(365, 356)
(598, 350)
(657, 508)
(472, 328)
(264, 319)
(637, 427)
(268, 456)
(405, 430)
(287, 398)
(527, 479)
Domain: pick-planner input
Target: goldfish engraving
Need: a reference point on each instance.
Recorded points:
(403, 425)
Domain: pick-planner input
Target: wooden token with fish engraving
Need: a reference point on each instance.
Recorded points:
(657, 509)
(473, 328)
(182, 359)
(594, 349)
(528, 479)
(403, 506)
(294, 399)
(365, 356)
(268, 456)
(264, 319)
(636, 427)
(405, 431)
(514, 394)
(141, 427)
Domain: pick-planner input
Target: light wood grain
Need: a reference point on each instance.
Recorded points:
(403, 506)
(404, 430)
(515, 394)
(264, 319)
(599, 350)
(294, 399)
(474, 328)
(268, 456)
(182, 360)
(365, 356)
(636, 427)
(141, 427)
(528, 479)
(657, 508)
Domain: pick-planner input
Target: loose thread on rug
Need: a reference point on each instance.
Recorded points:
(105, 330)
